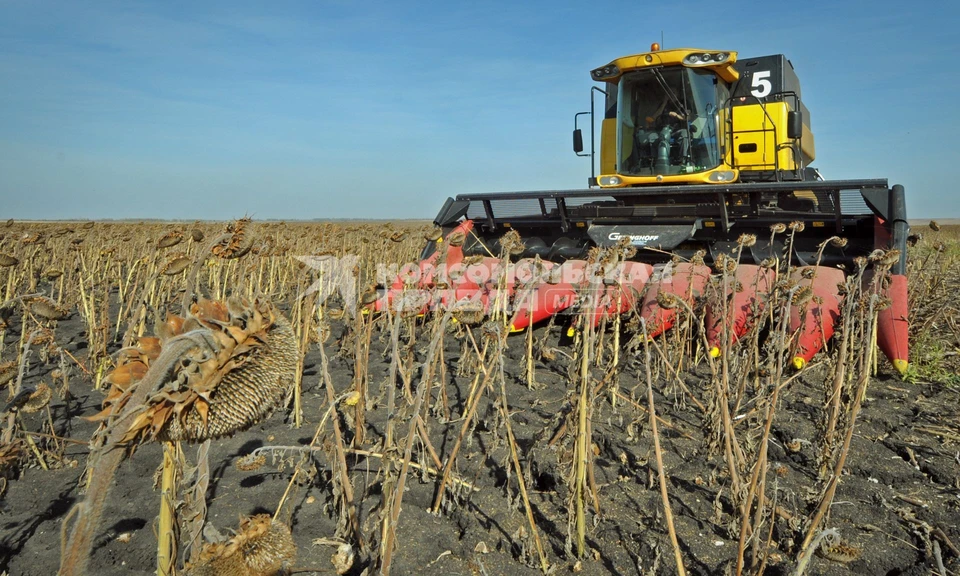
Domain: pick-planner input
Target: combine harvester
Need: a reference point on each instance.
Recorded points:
(702, 155)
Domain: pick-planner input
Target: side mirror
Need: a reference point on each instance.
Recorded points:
(794, 124)
(577, 141)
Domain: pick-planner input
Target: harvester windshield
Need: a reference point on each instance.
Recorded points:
(667, 121)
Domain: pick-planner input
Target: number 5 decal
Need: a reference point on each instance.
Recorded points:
(761, 85)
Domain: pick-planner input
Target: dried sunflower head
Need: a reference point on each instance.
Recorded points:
(667, 301)
(8, 371)
(433, 234)
(369, 296)
(32, 238)
(251, 462)
(877, 255)
(720, 262)
(492, 330)
(46, 308)
(169, 239)
(238, 245)
(262, 547)
(698, 257)
(511, 243)
(175, 265)
(834, 548)
(38, 399)
(891, 258)
(234, 363)
(469, 311)
(802, 296)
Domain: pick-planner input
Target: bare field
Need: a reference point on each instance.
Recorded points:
(411, 444)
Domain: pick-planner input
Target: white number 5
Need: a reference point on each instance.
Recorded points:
(761, 85)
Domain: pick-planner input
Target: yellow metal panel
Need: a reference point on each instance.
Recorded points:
(697, 178)
(754, 125)
(608, 146)
(808, 144)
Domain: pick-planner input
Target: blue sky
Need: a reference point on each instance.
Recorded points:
(212, 110)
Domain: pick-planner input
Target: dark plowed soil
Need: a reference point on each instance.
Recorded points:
(899, 496)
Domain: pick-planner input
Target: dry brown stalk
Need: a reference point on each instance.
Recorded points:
(353, 522)
(309, 448)
(840, 372)
(361, 375)
(17, 386)
(733, 454)
(582, 450)
(192, 509)
(862, 383)
(473, 400)
(676, 375)
(427, 469)
(166, 538)
(759, 471)
(77, 541)
(505, 411)
(392, 518)
(664, 496)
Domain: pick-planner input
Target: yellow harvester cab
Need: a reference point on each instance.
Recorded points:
(688, 116)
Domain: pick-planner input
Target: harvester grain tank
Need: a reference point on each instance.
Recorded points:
(703, 156)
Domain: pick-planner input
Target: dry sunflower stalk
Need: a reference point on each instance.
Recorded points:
(220, 370)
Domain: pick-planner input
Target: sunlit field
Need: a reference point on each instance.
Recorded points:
(226, 398)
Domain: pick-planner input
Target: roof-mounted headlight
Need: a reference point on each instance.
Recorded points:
(705, 58)
(605, 72)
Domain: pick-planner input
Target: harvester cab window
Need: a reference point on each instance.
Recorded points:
(667, 122)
